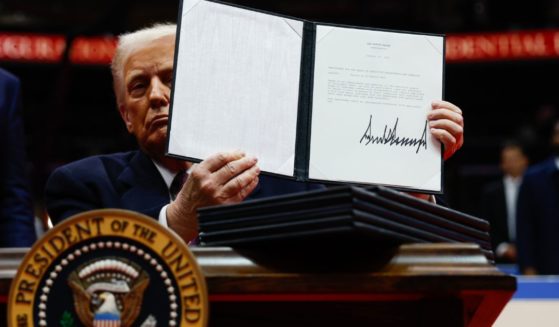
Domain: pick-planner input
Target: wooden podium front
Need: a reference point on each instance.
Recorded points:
(412, 285)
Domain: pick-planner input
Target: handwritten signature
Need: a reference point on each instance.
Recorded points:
(390, 137)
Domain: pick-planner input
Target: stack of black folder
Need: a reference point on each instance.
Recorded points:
(342, 215)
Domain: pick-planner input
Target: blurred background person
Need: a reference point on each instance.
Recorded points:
(538, 215)
(499, 199)
(16, 214)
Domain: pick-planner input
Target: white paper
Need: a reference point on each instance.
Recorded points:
(366, 85)
(236, 85)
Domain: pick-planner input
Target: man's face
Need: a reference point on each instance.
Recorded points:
(513, 161)
(148, 74)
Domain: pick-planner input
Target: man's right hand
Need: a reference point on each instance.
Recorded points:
(222, 178)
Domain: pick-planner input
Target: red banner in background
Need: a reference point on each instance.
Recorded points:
(521, 45)
(92, 50)
(31, 47)
(50, 48)
(502, 46)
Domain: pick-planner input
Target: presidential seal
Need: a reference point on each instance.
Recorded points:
(108, 268)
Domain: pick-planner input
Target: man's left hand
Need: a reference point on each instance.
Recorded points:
(447, 125)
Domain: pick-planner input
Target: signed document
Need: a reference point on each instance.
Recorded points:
(372, 92)
(313, 102)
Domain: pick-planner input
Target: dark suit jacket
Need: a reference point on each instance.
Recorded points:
(16, 214)
(494, 210)
(131, 181)
(538, 218)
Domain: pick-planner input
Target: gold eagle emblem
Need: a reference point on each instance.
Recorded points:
(108, 289)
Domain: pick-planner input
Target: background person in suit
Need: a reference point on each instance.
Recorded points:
(499, 201)
(16, 214)
(538, 215)
(140, 180)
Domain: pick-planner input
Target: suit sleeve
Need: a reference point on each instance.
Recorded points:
(16, 215)
(525, 226)
(487, 212)
(66, 195)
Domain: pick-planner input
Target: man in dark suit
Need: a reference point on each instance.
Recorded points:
(129, 180)
(16, 214)
(142, 71)
(538, 215)
(499, 202)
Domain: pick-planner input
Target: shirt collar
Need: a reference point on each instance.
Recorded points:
(167, 174)
(508, 179)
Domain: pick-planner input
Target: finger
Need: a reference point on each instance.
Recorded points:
(242, 194)
(192, 167)
(233, 168)
(451, 144)
(437, 114)
(444, 136)
(448, 125)
(440, 104)
(236, 184)
(218, 160)
(249, 188)
(196, 174)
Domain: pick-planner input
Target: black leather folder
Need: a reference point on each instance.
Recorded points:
(375, 214)
(288, 102)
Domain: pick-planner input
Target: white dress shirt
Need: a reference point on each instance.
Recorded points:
(512, 185)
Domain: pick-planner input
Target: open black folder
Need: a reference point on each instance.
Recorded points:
(377, 214)
(311, 101)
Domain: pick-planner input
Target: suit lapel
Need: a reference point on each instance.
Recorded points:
(555, 176)
(501, 202)
(145, 190)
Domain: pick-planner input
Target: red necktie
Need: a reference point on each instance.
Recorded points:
(177, 183)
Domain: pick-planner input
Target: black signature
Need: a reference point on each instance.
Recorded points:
(391, 138)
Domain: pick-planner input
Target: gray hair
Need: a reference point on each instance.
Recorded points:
(128, 43)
